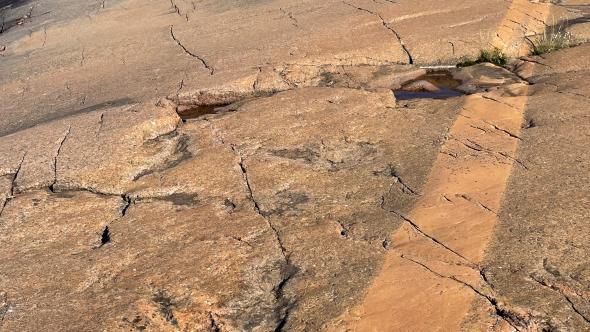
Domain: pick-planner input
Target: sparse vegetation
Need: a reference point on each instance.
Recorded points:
(495, 56)
(553, 39)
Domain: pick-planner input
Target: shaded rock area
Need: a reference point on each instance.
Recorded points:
(539, 258)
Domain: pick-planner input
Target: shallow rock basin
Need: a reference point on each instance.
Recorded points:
(441, 79)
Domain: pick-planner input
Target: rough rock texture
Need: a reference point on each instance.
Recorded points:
(216, 220)
(69, 58)
(299, 189)
(539, 258)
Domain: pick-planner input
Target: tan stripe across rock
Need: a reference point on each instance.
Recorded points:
(430, 277)
(448, 229)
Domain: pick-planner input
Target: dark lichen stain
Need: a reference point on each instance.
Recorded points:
(307, 155)
(165, 304)
(287, 202)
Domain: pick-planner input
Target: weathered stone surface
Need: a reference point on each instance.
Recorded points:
(484, 76)
(539, 256)
(274, 247)
(118, 52)
(303, 197)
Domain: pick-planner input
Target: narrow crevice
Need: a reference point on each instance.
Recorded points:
(534, 61)
(576, 310)
(559, 290)
(388, 27)
(507, 132)
(214, 325)
(517, 161)
(288, 270)
(470, 145)
(194, 55)
(16, 173)
(255, 203)
(126, 204)
(419, 231)
(450, 154)
(283, 321)
(517, 320)
(5, 307)
(11, 192)
(392, 172)
(289, 15)
(175, 8)
(105, 237)
(56, 157)
(100, 124)
(478, 203)
(497, 101)
(478, 128)
(240, 240)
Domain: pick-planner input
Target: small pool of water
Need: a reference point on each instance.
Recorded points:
(443, 80)
(195, 112)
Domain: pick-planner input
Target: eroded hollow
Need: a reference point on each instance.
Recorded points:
(437, 84)
(195, 112)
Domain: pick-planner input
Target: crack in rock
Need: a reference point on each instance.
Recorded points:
(390, 171)
(55, 159)
(421, 232)
(288, 269)
(214, 325)
(507, 132)
(388, 26)
(5, 307)
(100, 124)
(194, 55)
(476, 202)
(126, 200)
(11, 193)
(289, 15)
(518, 319)
(567, 294)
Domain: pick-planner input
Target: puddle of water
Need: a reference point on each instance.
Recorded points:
(200, 111)
(195, 112)
(443, 80)
(443, 93)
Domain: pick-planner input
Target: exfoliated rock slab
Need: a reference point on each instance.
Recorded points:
(32, 154)
(269, 80)
(108, 151)
(69, 57)
(198, 266)
(482, 77)
(562, 62)
(211, 173)
(102, 152)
